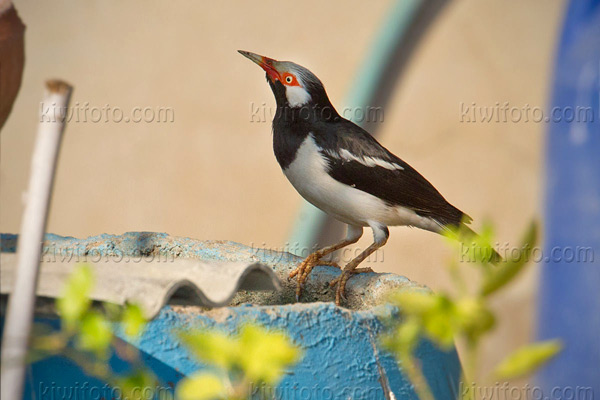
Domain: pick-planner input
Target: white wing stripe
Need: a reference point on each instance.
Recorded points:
(365, 160)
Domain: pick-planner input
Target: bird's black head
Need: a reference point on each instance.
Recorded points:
(294, 86)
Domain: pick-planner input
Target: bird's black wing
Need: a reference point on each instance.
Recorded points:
(402, 186)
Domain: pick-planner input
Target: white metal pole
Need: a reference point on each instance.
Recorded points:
(21, 302)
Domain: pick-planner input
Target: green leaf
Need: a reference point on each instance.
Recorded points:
(404, 338)
(441, 326)
(414, 302)
(265, 354)
(201, 386)
(408, 334)
(215, 347)
(133, 320)
(473, 248)
(474, 316)
(527, 359)
(508, 270)
(458, 233)
(479, 247)
(434, 312)
(95, 333)
(75, 301)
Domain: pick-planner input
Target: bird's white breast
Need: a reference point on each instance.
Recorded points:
(308, 174)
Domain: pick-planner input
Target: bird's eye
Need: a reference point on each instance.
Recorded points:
(289, 79)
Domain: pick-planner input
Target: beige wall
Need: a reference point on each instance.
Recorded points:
(211, 173)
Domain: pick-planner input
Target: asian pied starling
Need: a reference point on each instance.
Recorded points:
(341, 169)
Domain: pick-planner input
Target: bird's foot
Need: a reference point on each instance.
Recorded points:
(340, 281)
(301, 273)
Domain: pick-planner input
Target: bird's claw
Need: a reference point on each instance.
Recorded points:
(304, 269)
(299, 288)
(340, 281)
(301, 273)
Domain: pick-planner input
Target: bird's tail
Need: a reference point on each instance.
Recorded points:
(493, 256)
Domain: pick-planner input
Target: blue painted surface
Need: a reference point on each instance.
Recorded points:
(569, 300)
(342, 356)
(58, 378)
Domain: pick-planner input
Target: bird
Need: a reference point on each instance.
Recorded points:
(344, 171)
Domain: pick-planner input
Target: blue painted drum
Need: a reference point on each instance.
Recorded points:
(342, 353)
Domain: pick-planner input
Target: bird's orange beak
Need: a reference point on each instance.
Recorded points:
(265, 63)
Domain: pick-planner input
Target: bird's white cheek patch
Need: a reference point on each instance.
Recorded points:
(296, 96)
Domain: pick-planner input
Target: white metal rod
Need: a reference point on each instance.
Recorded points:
(21, 302)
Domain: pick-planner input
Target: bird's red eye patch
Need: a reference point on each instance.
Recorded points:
(289, 79)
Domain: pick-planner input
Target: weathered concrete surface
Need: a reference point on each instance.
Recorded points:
(209, 284)
(362, 291)
(342, 356)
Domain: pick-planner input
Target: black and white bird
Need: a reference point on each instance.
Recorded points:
(341, 169)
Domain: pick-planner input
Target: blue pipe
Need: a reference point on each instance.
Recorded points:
(569, 295)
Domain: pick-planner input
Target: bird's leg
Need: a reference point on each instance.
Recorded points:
(380, 235)
(304, 269)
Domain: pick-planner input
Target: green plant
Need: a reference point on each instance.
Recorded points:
(238, 364)
(254, 358)
(87, 336)
(465, 315)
